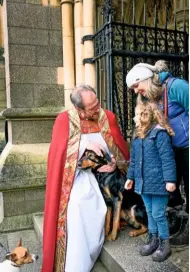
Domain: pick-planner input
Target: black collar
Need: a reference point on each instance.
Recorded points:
(15, 265)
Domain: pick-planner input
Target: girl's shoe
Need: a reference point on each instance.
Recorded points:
(163, 251)
(151, 245)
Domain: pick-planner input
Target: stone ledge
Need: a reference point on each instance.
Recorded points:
(26, 154)
(18, 222)
(23, 166)
(20, 184)
(38, 224)
(20, 113)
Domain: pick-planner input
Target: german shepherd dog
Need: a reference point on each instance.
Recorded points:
(112, 189)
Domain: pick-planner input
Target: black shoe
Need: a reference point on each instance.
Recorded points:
(163, 251)
(150, 246)
(181, 238)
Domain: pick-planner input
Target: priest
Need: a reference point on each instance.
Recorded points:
(75, 210)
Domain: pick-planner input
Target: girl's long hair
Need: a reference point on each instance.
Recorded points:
(154, 89)
(156, 118)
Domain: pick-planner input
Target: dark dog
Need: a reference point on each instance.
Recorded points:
(121, 204)
(112, 188)
(134, 212)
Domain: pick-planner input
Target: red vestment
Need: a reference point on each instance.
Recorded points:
(54, 188)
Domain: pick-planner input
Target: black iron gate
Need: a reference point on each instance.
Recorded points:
(120, 45)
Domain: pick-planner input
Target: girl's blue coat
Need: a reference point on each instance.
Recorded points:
(152, 163)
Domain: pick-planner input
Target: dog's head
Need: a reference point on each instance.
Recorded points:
(91, 160)
(21, 255)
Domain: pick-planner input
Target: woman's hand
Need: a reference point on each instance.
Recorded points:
(170, 187)
(128, 184)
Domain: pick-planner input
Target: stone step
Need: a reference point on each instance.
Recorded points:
(16, 223)
(38, 227)
(121, 255)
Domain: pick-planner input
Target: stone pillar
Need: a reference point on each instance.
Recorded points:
(182, 10)
(88, 27)
(78, 23)
(54, 2)
(1, 27)
(1, 208)
(2, 82)
(68, 48)
(35, 95)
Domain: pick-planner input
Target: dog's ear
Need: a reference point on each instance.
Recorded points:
(11, 257)
(19, 243)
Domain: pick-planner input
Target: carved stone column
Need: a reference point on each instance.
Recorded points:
(88, 20)
(78, 24)
(1, 27)
(2, 81)
(68, 49)
(182, 13)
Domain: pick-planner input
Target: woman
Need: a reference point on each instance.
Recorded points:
(148, 82)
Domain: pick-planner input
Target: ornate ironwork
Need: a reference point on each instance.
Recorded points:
(119, 46)
(107, 8)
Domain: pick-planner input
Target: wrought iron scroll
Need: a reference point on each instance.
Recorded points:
(119, 45)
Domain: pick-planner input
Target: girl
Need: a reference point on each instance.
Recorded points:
(152, 170)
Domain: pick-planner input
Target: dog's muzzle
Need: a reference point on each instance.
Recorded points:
(34, 257)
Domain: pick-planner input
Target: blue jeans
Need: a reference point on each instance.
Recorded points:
(156, 211)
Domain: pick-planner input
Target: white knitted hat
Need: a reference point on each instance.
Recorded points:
(142, 71)
(139, 73)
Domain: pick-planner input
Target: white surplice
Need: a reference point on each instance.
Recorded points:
(85, 215)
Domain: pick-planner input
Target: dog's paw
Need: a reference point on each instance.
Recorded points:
(107, 231)
(111, 237)
(132, 233)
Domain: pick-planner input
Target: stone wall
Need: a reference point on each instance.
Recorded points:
(35, 95)
(2, 87)
(35, 53)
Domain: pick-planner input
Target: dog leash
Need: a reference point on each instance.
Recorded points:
(165, 100)
(4, 248)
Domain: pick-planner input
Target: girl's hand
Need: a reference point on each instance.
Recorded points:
(170, 187)
(128, 184)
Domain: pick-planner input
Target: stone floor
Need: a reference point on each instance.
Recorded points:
(179, 261)
(123, 255)
(31, 241)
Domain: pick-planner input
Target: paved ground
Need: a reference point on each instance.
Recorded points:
(180, 257)
(30, 240)
(123, 255)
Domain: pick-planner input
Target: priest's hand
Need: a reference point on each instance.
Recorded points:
(97, 148)
(110, 167)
